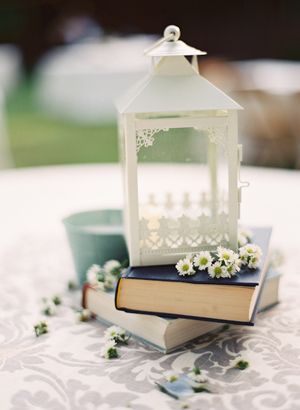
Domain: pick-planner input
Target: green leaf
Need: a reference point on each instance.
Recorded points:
(72, 285)
(242, 364)
(56, 300)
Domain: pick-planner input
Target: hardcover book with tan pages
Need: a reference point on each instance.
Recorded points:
(159, 290)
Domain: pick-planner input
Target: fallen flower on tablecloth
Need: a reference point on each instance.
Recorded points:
(41, 328)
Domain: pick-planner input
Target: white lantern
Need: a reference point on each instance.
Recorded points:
(180, 154)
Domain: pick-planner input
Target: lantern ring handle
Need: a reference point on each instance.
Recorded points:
(171, 33)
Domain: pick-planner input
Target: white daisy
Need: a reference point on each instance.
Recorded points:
(115, 333)
(185, 267)
(244, 260)
(232, 269)
(92, 274)
(84, 315)
(171, 376)
(226, 255)
(111, 266)
(202, 260)
(216, 270)
(109, 282)
(254, 262)
(244, 254)
(250, 249)
(198, 377)
(111, 332)
(109, 350)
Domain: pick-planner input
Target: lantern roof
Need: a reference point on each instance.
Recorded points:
(174, 48)
(174, 84)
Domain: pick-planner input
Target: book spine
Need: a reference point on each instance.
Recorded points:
(117, 293)
(85, 287)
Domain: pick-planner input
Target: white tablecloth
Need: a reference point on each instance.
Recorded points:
(64, 369)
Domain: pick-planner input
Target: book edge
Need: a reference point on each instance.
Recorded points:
(177, 316)
(263, 280)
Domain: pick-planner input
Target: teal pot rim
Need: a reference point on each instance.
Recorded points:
(70, 220)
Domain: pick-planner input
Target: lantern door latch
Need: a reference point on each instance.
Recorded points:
(242, 184)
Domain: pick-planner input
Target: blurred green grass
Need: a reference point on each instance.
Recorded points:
(37, 139)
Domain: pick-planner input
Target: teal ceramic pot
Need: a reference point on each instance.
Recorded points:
(95, 237)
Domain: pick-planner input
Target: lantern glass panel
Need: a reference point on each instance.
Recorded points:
(182, 209)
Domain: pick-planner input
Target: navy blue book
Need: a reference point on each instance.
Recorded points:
(159, 290)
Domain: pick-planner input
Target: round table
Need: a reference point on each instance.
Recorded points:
(64, 369)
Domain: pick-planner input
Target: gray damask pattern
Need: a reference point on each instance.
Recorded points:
(64, 370)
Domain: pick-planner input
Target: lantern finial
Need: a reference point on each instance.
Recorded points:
(172, 33)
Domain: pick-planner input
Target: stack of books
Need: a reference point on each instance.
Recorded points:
(167, 311)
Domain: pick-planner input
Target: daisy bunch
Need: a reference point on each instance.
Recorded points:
(250, 255)
(95, 274)
(113, 336)
(113, 267)
(223, 263)
(229, 262)
(105, 277)
(109, 282)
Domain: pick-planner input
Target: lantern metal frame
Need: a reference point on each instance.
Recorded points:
(141, 117)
